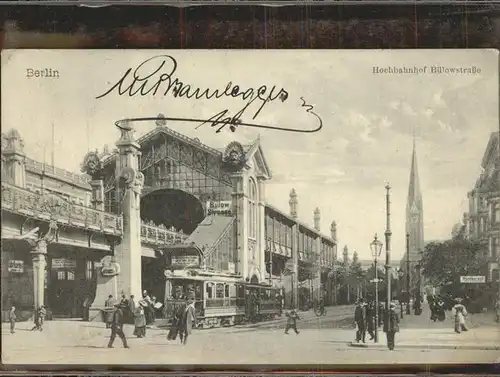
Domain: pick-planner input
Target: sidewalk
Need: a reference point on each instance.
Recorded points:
(480, 338)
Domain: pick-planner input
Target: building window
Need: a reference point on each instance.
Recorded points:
(61, 275)
(495, 275)
(495, 245)
(89, 270)
(252, 210)
(495, 213)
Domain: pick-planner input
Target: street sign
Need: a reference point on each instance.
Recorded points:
(222, 207)
(472, 279)
(376, 280)
(16, 266)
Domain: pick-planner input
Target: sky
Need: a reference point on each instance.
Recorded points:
(368, 119)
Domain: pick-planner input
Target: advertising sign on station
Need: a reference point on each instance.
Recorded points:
(63, 264)
(16, 266)
(222, 207)
(472, 279)
(185, 260)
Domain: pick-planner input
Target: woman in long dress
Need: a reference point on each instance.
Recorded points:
(459, 313)
(140, 321)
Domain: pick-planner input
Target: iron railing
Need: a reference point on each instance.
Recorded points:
(52, 207)
(160, 234)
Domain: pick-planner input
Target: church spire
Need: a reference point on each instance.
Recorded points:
(414, 202)
(415, 217)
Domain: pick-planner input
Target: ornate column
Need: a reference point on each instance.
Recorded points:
(14, 159)
(128, 254)
(295, 250)
(39, 256)
(97, 194)
(240, 209)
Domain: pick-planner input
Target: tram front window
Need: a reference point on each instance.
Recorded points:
(183, 289)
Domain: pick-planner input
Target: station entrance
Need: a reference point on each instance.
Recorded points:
(71, 280)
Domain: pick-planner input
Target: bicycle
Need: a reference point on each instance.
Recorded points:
(320, 311)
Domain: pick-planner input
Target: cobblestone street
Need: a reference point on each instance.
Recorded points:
(85, 343)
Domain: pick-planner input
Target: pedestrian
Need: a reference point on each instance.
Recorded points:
(381, 311)
(459, 314)
(131, 308)
(140, 320)
(153, 309)
(370, 319)
(440, 310)
(148, 310)
(188, 320)
(86, 308)
(391, 326)
(117, 327)
(180, 319)
(125, 306)
(109, 304)
(40, 314)
(432, 301)
(174, 327)
(360, 320)
(36, 319)
(497, 310)
(43, 314)
(291, 322)
(12, 319)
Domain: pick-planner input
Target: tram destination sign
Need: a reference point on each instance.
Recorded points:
(219, 207)
(472, 279)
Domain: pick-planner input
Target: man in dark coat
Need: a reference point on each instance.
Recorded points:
(117, 327)
(179, 319)
(291, 322)
(370, 319)
(125, 309)
(360, 319)
(391, 326)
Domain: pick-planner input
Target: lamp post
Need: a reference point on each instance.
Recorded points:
(376, 248)
(388, 234)
(418, 307)
(408, 272)
(400, 275)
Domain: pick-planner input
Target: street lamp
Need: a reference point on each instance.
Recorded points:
(401, 275)
(376, 248)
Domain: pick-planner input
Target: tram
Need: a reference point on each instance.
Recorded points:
(223, 301)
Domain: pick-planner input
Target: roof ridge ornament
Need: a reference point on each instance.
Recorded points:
(161, 120)
(234, 157)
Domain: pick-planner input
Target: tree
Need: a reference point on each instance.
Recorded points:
(356, 273)
(341, 281)
(444, 262)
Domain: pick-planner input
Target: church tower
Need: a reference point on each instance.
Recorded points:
(414, 223)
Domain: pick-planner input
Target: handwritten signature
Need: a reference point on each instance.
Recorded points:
(156, 76)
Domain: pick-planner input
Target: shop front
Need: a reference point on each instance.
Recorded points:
(17, 279)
